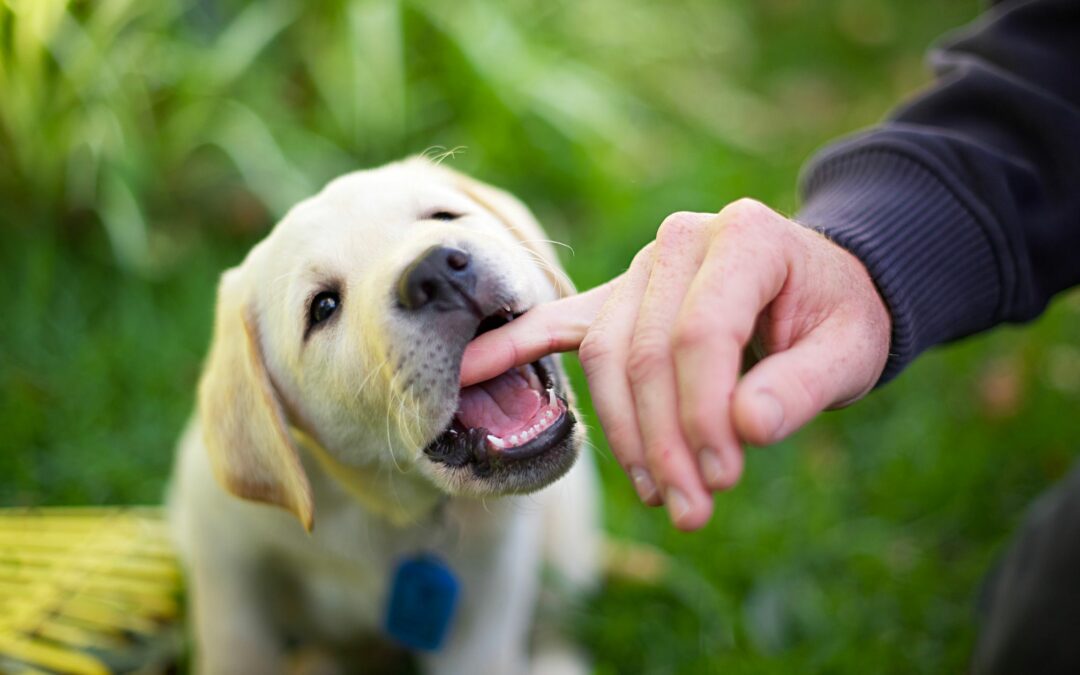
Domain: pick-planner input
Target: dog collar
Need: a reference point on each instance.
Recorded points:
(401, 499)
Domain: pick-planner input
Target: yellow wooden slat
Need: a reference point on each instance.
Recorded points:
(41, 653)
(153, 526)
(83, 608)
(103, 616)
(104, 584)
(27, 670)
(78, 635)
(82, 512)
(146, 569)
(162, 605)
(53, 538)
(149, 523)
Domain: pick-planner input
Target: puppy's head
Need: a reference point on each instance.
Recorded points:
(348, 323)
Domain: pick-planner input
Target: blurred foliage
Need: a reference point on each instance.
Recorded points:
(145, 146)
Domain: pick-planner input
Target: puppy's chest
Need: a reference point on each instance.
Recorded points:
(341, 603)
(344, 572)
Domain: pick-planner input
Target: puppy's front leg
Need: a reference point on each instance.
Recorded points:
(232, 634)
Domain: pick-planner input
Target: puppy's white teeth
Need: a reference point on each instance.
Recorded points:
(549, 415)
(514, 440)
(551, 397)
(496, 441)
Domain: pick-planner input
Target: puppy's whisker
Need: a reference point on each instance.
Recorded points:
(393, 489)
(437, 154)
(547, 266)
(358, 394)
(288, 274)
(595, 450)
(553, 242)
(416, 421)
(407, 399)
(389, 442)
(417, 426)
(402, 419)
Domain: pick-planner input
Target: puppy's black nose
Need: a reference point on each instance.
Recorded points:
(442, 277)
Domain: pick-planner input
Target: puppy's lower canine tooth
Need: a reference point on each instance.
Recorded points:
(496, 441)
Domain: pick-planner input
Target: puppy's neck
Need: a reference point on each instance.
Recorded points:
(399, 498)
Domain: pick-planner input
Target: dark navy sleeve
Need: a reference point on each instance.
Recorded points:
(965, 204)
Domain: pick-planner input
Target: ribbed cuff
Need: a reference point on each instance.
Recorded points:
(929, 256)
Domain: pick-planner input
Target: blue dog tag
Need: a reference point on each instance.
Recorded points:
(423, 596)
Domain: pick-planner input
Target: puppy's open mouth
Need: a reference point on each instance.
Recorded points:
(515, 416)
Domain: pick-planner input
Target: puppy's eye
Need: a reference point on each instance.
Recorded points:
(444, 215)
(323, 306)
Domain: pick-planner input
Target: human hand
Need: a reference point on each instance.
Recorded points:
(661, 347)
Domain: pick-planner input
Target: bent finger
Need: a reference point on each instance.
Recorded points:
(740, 275)
(603, 356)
(680, 246)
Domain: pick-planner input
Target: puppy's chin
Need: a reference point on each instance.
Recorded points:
(512, 434)
(498, 476)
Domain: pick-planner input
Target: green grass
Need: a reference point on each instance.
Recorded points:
(144, 150)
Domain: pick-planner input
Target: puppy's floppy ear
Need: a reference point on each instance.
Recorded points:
(243, 425)
(518, 219)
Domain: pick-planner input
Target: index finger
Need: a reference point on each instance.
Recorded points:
(557, 326)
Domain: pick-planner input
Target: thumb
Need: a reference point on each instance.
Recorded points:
(557, 326)
(787, 389)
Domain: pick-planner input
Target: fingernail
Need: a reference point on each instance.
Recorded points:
(678, 505)
(712, 469)
(643, 483)
(771, 414)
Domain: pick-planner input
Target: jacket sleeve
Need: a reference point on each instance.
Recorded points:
(965, 204)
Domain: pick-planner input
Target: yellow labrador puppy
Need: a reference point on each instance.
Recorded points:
(337, 484)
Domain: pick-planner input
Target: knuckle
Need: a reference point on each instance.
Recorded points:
(593, 352)
(677, 227)
(744, 212)
(692, 332)
(721, 338)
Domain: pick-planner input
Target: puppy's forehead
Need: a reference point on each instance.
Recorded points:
(366, 208)
(393, 194)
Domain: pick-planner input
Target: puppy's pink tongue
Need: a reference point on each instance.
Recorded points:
(503, 405)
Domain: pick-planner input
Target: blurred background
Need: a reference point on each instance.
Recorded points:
(145, 146)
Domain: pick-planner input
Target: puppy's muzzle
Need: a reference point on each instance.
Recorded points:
(443, 279)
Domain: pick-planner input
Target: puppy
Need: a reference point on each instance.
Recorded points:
(333, 447)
